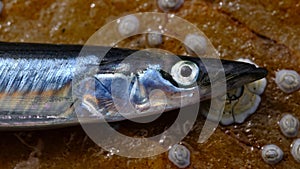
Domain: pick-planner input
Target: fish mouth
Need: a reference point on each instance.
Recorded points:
(238, 74)
(219, 73)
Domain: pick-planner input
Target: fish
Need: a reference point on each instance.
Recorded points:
(53, 85)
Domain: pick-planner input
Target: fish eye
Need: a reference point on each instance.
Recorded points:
(185, 73)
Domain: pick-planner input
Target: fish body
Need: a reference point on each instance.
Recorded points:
(44, 85)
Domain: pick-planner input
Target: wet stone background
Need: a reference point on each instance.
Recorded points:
(267, 32)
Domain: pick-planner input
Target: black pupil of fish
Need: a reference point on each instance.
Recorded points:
(186, 71)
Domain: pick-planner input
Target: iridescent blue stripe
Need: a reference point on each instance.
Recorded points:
(39, 75)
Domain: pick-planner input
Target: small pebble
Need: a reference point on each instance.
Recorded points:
(195, 44)
(179, 155)
(128, 25)
(169, 5)
(154, 39)
(240, 104)
(295, 150)
(271, 154)
(245, 106)
(287, 80)
(289, 125)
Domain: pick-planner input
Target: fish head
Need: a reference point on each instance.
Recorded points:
(191, 80)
